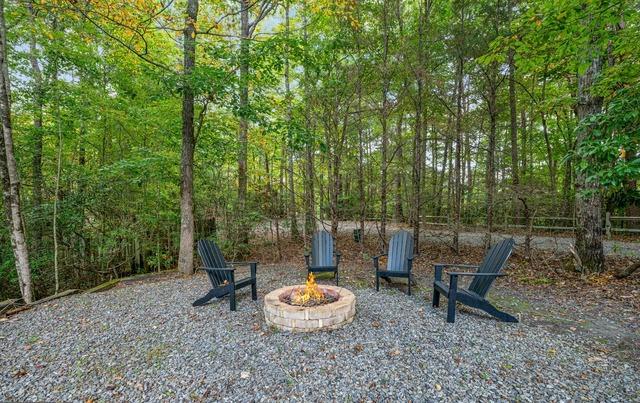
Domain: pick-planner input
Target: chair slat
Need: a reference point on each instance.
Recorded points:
(322, 249)
(212, 257)
(400, 249)
(493, 262)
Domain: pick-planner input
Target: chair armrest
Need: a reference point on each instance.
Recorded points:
(375, 261)
(464, 266)
(462, 273)
(242, 263)
(337, 258)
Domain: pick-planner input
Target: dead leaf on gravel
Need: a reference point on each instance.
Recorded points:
(376, 324)
(358, 348)
(394, 353)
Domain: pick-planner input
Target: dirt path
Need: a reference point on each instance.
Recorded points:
(548, 243)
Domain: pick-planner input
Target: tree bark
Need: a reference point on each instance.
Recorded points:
(187, 229)
(588, 199)
(9, 173)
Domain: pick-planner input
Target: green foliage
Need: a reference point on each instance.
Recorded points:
(609, 156)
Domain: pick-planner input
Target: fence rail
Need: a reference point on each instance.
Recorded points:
(617, 224)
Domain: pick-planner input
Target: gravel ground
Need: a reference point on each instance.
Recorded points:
(146, 342)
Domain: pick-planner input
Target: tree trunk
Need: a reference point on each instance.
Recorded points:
(383, 123)
(458, 154)
(243, 233)
(588, 199)
(513, 131)
(56, 199)
(523, 129)
(185, 257)
(309, 191)
(361, 193)
(491, 157)
(293, 213)
(9, 173)
(398, 214)
(38, 100)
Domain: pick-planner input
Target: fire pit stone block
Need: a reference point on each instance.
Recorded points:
(308, 319)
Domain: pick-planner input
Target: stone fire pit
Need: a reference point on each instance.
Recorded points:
(280, 313)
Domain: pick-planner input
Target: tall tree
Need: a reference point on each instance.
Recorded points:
(293, 212)
(38, 101)
(9, 172)
(187, 226)
(247, 28)
(588, 199)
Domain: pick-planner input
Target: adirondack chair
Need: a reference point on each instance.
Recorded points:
(483, 278)
(399, 261)
(222, 276)
(321, 258)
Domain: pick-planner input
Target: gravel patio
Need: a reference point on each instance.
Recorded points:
(145, 342)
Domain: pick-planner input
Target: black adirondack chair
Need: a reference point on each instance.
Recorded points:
(399, 261)
(321, 259)
(222, 276)
(483, 278)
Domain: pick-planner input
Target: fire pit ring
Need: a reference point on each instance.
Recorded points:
(294, 318)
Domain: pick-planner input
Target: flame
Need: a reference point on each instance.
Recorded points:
(311, 292)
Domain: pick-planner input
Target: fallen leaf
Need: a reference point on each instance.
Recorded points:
(394, 353)
(358, 348)
(376, 324)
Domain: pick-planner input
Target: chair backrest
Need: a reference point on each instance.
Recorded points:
(400, 249)
(322, 249)
(212, 258)
(493, 262)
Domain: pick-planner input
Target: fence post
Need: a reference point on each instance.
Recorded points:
(607, 224)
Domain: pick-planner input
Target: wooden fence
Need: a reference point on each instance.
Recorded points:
(611, 224)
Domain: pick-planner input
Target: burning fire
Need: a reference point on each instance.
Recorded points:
(311, 293)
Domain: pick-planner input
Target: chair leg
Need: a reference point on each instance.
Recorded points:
(451, 308)
(337, 277)
(409, 285)
(254, 291)
(436, 298)
(377, 282)
(232, 299)
(496, 313)
(201, 301)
